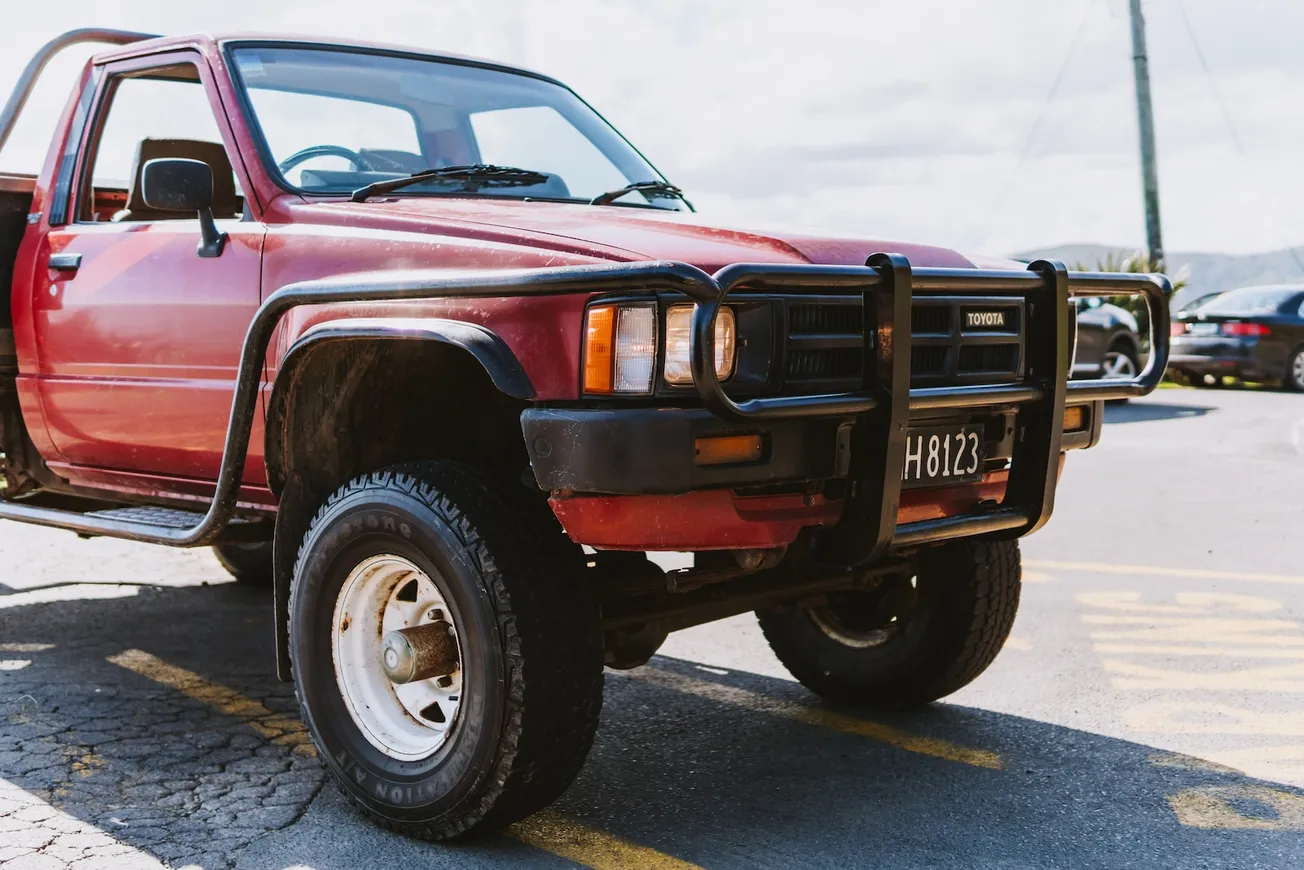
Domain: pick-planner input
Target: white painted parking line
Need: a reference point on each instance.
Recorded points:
(75, 592)
(38, 835)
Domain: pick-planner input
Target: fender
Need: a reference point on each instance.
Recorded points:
(488, 349)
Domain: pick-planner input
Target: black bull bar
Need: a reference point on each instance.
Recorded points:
(881, 406)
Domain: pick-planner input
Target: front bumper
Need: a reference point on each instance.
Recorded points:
(856, 437)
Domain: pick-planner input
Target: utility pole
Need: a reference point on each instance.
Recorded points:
(1146, 123)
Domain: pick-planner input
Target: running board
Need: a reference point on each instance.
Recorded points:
(139, 523)
(168, 518)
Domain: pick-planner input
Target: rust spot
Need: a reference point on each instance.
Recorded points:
(344, 626)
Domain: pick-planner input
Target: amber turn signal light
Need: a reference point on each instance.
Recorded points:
(599, 331)
(620, 345)
(1075, 418)
(727, 449)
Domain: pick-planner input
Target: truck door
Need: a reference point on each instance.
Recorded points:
(139, 336)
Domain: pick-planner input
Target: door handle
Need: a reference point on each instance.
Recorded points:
(65, 262)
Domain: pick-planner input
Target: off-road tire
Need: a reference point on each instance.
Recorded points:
(250, 564)
(517, 587)
(967, 597)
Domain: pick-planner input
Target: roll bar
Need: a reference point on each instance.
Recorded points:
(27, 81)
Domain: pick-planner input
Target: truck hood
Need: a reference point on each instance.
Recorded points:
(623, 233)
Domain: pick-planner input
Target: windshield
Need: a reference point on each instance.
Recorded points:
(1250, 300)
(334, 121)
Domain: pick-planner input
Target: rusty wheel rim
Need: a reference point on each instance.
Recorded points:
(410, 721)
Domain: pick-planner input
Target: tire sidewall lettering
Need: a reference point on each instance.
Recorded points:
(368, 523)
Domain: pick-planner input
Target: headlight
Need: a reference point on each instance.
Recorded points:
(620, 348)
(679, 329)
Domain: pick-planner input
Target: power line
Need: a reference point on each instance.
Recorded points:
(1222, 106)
(1012, 178)
(1213, 83)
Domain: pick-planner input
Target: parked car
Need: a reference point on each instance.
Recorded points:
(1109, 343)
(402, 331)
(1253, 333)
(1194, 301)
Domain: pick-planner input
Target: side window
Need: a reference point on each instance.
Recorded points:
(157, 113)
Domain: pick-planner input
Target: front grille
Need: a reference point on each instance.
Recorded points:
(954, 340)
(825, 364)
(825, 319)
(930, 319)
(929, 360)
(988, 359)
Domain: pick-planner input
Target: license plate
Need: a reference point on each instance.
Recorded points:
(1204, 329)
(942, 455)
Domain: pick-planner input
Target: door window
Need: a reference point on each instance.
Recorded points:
(160, 112)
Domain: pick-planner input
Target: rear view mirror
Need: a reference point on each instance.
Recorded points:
(180, 184)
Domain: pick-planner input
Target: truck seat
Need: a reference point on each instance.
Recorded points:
(227, 203)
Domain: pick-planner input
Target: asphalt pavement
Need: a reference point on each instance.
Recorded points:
(1148, 710)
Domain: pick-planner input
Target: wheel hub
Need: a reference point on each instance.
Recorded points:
(397, 656)
(870, 618)
(425, 652)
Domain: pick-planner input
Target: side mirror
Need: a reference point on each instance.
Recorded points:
(179, 184)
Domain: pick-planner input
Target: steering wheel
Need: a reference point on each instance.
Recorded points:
(359, 162)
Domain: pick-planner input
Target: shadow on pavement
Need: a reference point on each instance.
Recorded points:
(1145, 412)
(699, 776)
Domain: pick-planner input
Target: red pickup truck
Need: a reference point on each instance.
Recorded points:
(426, 346)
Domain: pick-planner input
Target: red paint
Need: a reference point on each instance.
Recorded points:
(716, 519)
(127, 367)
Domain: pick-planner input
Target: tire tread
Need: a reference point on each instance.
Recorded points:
(549, 625)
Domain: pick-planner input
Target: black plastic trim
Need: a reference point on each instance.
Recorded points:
(648, 451)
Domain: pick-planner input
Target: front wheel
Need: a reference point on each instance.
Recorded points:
(447, 651)
(910, 640)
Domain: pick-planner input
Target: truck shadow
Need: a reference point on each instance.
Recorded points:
(1146, 412)
(720, 769)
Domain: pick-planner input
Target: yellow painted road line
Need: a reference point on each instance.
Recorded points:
(1222, 808)
(275, 727)
(1219, 651)
(573, 841)
(1158, 571)
(25, 647)
(815, 716)
(547, 831)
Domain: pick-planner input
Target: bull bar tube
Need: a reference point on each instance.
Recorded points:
(881, 407)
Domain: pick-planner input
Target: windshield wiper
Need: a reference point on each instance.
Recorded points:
(653, 188)
(473, 177)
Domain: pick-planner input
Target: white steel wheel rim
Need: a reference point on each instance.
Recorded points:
(1297, 369)
(407, 722)
(1119, 365)
(831, 627)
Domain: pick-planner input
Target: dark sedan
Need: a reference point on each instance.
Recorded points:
(1109, 344)
(1253, 333)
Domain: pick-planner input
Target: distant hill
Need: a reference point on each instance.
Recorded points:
(1208, 272)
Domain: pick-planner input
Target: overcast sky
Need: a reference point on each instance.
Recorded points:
(925, 120)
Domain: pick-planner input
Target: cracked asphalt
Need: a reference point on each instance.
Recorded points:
(1147, 712)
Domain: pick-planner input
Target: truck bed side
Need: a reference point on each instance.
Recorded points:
(15, 202)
